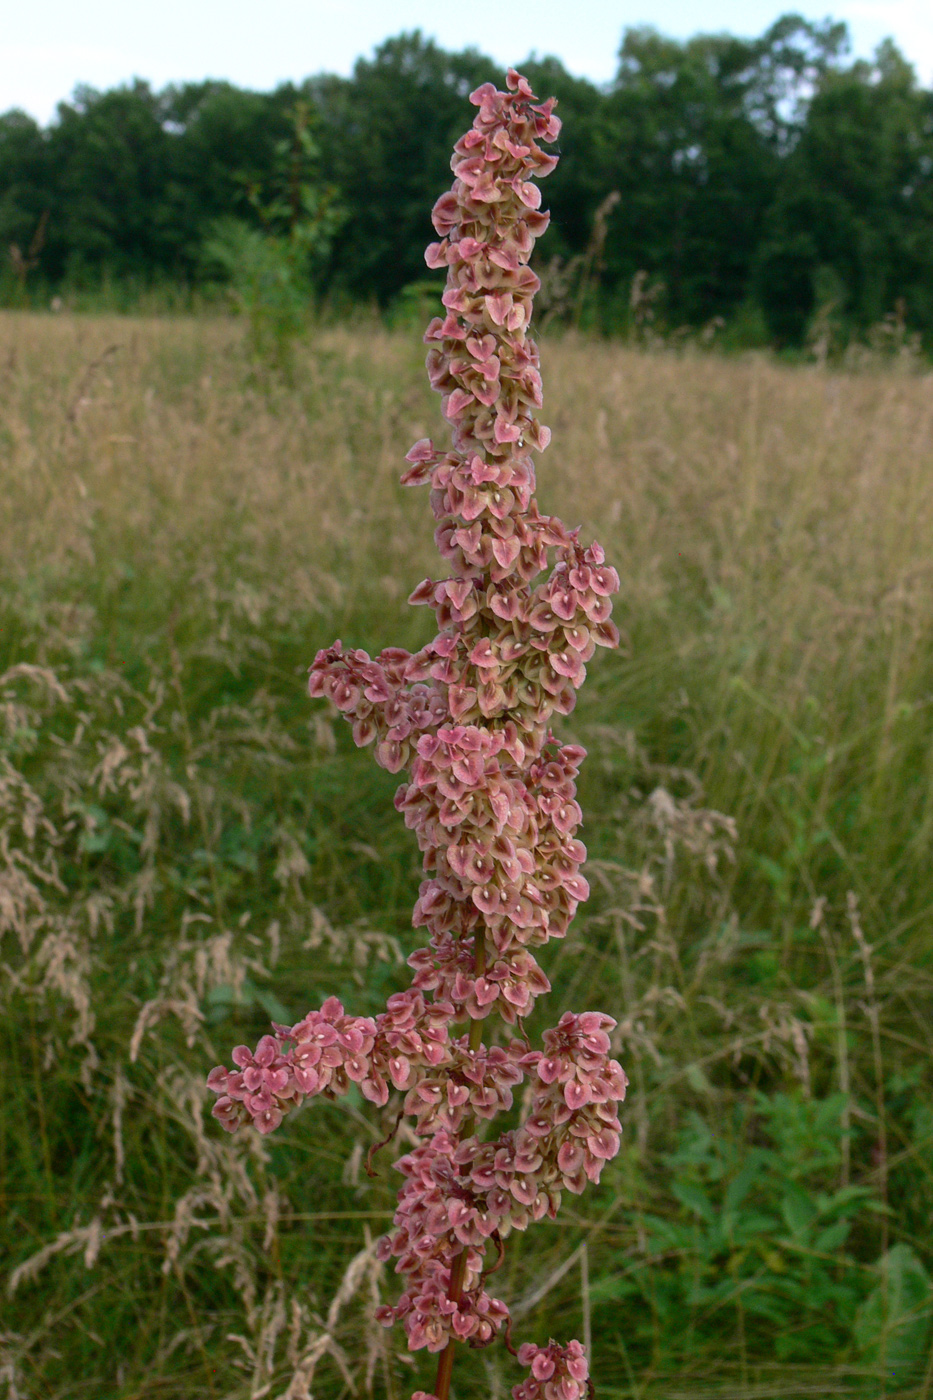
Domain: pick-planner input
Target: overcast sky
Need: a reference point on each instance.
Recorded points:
(47, 48)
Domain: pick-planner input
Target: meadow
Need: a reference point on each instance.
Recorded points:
(190, 847)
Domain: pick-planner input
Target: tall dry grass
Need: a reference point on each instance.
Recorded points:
(189, 848)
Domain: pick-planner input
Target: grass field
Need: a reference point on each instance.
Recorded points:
(189, 847)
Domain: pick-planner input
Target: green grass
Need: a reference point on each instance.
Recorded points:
(189, 848)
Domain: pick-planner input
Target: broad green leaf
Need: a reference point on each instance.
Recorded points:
(739, 1188)
(695, 1199)
(892, 1327)
(833, 1236)
(798, 1211)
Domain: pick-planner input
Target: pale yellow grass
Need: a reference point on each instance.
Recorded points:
(785, 483)
(793, 507)
(773, 530)
(772, 525)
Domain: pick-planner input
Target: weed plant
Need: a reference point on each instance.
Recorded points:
(188, 848)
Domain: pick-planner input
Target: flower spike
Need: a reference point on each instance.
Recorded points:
(490, 794)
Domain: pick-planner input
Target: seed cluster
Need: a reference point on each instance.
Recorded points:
(489, 793)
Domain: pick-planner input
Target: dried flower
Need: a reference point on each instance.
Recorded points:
(488, 791)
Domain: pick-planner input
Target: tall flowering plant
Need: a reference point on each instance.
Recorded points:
(490, 795)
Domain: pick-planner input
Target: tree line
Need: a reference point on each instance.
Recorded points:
(749, 182)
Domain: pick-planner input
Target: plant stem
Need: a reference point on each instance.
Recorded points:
(445, 1364)
(479, 965)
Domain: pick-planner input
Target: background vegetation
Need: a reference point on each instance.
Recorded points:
(189, 847)
(769, 187)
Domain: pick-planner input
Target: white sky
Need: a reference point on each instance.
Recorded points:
(46, 48)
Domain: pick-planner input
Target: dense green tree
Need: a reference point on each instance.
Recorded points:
(25, 185)
(225, 143)
(695, 135)
(386, 136)
(133, 179)
(693, 171)
(855, 203)
(578, 185)
(111, 206)
(763, 169)
(786, 65)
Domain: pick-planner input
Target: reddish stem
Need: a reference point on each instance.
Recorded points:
(445, 1364)
(479, 967)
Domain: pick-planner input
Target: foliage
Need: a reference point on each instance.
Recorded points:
(758, 1231)
(386, 135)
(851, 199)
(274, 271)
(749, 170)
(894, 1327)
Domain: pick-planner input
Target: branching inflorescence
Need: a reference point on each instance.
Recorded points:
(490, 795)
